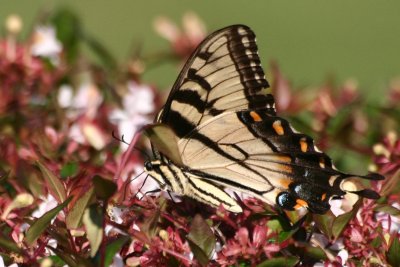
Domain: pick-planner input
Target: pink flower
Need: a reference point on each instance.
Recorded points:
(326, 105)
(387, 154)
(183, 42)
(242, 247)
(82, 109)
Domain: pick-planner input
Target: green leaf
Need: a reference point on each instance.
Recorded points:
(315, 253)
(54, 184)
(280, 262)
(56, 261)
(34, 183)
(392, 185)
(393, 254)
(324, 223)
(9, 245)
(114, 247)
(164, 139)
(103, 188)
(201, 239)
(5, 184)
(69, 32)
(40, 225)
(342, 220)
(388, 209)
(285, 235)
(275, 225)
(93, 221)
(74, 217)
(69, 170)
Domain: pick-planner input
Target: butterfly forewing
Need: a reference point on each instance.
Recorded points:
(223, 74)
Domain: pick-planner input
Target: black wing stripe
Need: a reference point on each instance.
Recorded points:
(203, 192)
(181, 125)
(176, 179)
(230, 182)
(192, 76)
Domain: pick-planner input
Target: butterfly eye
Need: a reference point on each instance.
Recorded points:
(148, 166)
(286, 201)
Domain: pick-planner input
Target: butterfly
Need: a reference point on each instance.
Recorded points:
(219, 129)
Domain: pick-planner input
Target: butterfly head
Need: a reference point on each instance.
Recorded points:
(153, 168)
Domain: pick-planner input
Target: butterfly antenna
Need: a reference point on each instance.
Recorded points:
(126, 143)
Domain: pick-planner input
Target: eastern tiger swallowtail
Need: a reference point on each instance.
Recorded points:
(224, 133)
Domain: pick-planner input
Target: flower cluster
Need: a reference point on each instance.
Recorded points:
(73, 190)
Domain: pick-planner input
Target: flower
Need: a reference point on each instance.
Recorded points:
(137, 105)
(387, 154)
(24, 78)
(389, 222)
(327, 105)
(286, 99)
(242, 247)
(85, 102)
(45, 43)
(183, 42)
(360, 235)
(82, 108)
(14, 24)
(49, 202)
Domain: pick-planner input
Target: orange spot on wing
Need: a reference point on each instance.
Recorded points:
(285, 168)
(283, 158)
(300, 203)
(255, 116)
(322, 163)
(277, 125)
(303, 145)
(323, 197)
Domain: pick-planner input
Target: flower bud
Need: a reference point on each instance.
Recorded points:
(13, 24)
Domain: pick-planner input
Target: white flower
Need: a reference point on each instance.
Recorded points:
(140, 99)
(85, 101)
(65, 96)
(117, 261)
(85, 132)
(137, 104)
(48, 203)
(344, 255)
(383, 218)
(82, 108)
(45, 43)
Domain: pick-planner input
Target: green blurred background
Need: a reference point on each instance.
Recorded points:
(310, 39)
